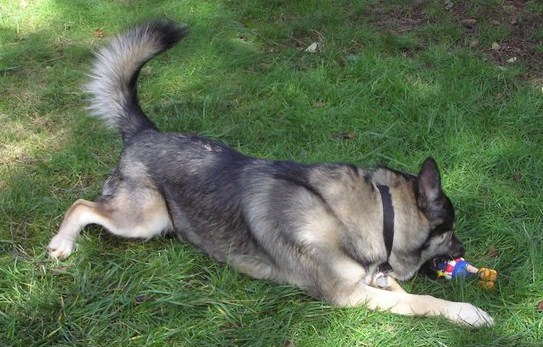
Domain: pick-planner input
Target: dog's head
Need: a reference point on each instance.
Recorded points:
(425, 220)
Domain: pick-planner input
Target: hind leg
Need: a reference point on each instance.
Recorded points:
(253, 266)
(141, 214)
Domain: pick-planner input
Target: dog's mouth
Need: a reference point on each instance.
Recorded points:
(458, 252)
(456, 249)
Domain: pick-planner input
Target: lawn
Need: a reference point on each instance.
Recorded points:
(368, 82)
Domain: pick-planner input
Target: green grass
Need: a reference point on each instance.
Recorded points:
(402, 93)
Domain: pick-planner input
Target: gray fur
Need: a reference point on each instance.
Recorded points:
(319, 226)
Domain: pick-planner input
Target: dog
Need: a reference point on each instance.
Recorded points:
(342, 233)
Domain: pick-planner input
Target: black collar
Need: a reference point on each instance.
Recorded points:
(388, 218)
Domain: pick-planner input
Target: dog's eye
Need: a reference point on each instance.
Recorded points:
(443, 238)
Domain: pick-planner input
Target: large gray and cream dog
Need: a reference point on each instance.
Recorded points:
(342, 233)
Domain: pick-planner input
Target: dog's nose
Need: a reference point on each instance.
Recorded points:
(457, 249)
(461, 251)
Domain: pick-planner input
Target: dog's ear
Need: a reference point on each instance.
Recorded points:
(428, 183)
(430, 197)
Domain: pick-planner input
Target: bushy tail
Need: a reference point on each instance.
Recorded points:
(113, 85)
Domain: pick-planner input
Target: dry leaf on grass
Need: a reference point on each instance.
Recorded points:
(348, 135)
(540, 306)
(99, 33)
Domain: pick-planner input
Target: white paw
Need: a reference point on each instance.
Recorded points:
(467, 314)
(61, 247)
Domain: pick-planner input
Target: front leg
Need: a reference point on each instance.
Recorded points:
(394, 286)
(350, 285)
(396, 300)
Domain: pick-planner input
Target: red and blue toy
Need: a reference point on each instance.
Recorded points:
(459, 267)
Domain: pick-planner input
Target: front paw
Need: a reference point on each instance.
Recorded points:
(60, 247)
(469, 315)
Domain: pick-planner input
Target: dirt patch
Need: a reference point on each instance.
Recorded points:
(522, 23)
(522, 43)
(397, 19)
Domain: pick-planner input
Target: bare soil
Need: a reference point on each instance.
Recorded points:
(524, 27)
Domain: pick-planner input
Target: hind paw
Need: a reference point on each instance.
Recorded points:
(60, 247)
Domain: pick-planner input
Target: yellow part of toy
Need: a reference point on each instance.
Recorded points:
(488, 275)
(488, 285)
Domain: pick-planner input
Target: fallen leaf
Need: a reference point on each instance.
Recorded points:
(348, 135)
(99, 33)
(474, 43)
(141, 298)
(496, 46)
(469, 22)
(492, 252)
(313, 48)
(540, 306)
(512, 60)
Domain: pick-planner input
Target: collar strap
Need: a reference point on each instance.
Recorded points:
(388, 218)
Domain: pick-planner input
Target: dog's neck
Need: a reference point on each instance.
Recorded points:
(388, 218)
